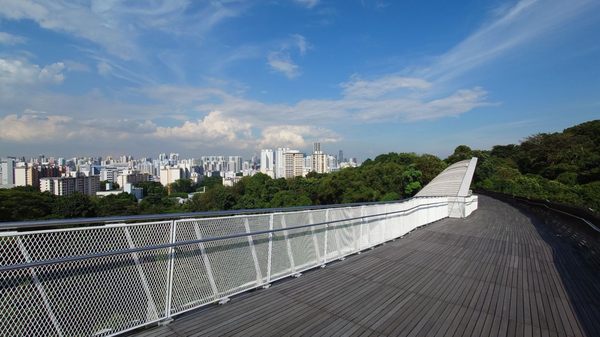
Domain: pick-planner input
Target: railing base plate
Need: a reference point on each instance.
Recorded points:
(223, 301)
(165, 321)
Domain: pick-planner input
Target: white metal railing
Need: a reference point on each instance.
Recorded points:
(106, 280)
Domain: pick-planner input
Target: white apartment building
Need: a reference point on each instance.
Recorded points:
(69, 185)
(26, 175)
(169, 175)
(267, 162)
(280, 162)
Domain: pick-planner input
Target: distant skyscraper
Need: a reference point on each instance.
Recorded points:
(319, 159)
(293, 164)
(7, 166)
(267, 162)
(280, 162)
(341, 157)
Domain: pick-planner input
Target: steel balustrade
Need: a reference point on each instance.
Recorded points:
(106, 280)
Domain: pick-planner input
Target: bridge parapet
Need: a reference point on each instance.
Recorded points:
(106, 280)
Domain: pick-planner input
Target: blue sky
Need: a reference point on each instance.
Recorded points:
(230, 77)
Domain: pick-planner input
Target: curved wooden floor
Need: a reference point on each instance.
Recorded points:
(499, 272)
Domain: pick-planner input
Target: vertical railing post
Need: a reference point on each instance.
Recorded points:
(170, 269)
(270, 250)
(311, 220)
(362, 227)
(326, 235)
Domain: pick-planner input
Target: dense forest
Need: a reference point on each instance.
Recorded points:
(562, 167)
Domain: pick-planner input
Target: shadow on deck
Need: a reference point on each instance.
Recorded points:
(500, 272)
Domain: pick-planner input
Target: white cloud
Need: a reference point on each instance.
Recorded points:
(282, 62)
(509, 28)
(295, 136)
(115, 25)
(19, 72)
(10, 39)
(33, 127)
(104, 68)
(301, 43)
(307, 3)
(214, 127)
(357, 87)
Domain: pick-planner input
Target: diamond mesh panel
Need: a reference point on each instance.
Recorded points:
(98, 296)
(301, 243)
(281, 263)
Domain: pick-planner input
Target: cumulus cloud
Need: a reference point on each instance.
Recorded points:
(213, 127)
(295, 136)
(10, 39)
(15, 72)
(33, 127)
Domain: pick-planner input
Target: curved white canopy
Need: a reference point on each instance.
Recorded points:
(454, 181)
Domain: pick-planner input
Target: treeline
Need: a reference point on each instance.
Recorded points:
(562, 167)
(387, 177)
(390, 176)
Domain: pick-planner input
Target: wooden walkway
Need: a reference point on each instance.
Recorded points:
(497, 273)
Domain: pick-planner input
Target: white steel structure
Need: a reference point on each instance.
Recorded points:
(106, 280)
(454, 182)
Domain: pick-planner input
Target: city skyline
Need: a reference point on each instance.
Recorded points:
(233, 77)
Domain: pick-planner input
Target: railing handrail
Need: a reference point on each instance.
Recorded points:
(53, 223)
(189, 242)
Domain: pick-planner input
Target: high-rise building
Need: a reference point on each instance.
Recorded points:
(169, 175)
(293, 164)
(234, 164)
(340, 157)
(131, 178)
(69, 185)
(267, 162)
(280, 162)
(7, 167)
(319, 160)
(109, 173)
(26, 175)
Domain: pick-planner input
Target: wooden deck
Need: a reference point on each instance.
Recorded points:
(497, 273)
